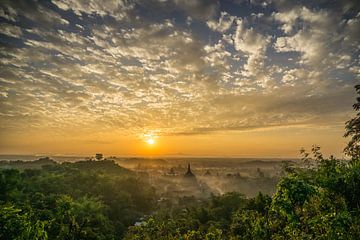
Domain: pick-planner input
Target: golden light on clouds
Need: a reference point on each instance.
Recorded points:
(122, 81)
(150, 139)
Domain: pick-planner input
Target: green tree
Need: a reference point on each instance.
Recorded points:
(17, 225)
(80, 219)
(352, 129)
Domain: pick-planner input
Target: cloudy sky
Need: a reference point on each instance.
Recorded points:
(200, 77)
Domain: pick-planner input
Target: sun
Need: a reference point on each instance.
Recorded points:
(150, 141)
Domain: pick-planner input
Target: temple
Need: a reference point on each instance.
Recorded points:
(189, 173)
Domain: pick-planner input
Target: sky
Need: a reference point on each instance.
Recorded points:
(243, 78)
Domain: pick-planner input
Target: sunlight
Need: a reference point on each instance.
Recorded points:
(150, 141)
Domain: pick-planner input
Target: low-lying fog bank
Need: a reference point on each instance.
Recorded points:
(167, 175)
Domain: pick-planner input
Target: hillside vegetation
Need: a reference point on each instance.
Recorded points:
(83, 200)
(318, 202)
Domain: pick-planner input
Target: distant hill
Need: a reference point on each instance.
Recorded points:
(19, 164)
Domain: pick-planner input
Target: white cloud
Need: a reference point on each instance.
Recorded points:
(39, 14)
(10, 30)
(8, 13)
(200, 9)
(248, 40)
(310, 44)
(115, 8)
(253, 45)
(314, 34)
(131, 75)
(223, 24)
(216, 55)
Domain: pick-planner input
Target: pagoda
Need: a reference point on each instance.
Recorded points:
(189, 172)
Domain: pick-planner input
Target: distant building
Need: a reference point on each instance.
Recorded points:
(172, 171)
(260, 173)
(189, 172)
(207, 173)
(192, 187)
(99, 156)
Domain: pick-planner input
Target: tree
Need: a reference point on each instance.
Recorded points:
(105, 200)
(17, 225)
(81, 219)
(353, 130)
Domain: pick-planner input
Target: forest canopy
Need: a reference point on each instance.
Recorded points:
(82, 200)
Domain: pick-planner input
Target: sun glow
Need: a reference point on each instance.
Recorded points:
(150, 141)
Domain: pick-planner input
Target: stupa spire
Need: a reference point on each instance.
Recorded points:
(189, 173)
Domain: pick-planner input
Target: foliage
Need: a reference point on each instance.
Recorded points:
(83, 200)
(17, 225)
(352, 128)
(100, 200)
